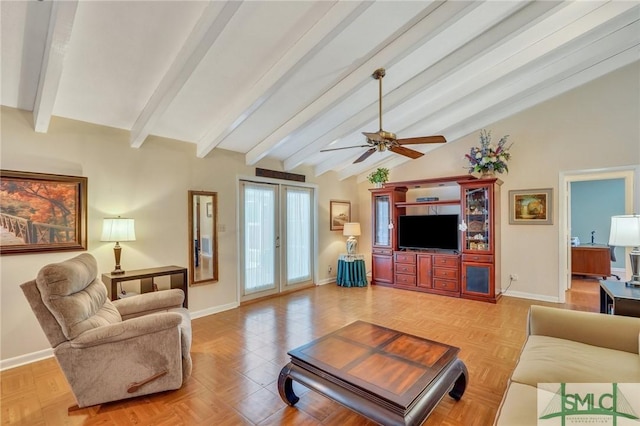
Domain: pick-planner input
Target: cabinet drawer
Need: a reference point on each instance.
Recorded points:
(445, 285)
(446, 273)
(448, 261)
(402, 279)
(406, 258)
(381, 251)
(405, 268)
(483, 258)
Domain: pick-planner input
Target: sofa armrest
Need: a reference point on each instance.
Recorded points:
(147, 303)
(607, 331)
(129, 329)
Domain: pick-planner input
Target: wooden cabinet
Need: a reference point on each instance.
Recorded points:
(446, 274)
(481, 240)
(591, 260)
(424, 278)
(405, 268)
(384, 219)
(470, 272)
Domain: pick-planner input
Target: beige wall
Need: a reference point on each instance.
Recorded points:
(594, 126)
(149, 184)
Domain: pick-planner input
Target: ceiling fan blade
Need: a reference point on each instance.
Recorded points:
(364, 156)
(345, 147)
(374, 136)
(423, 139)
(406, 152)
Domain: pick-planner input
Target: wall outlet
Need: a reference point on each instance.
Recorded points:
(513, 277)
(330, 269)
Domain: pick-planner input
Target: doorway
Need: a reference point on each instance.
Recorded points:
(277, 237)
(627, 174)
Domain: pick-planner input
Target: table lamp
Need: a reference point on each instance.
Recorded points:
(118, 229)
(351, 229)
(625, 232)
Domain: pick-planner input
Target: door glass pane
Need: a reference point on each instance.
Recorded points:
(477, 218)
(383, 211)
(259, 219)
(298, 229)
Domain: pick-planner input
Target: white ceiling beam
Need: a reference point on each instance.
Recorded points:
(436, 99)
(464, 26)
(326, 28)
(58, 36)
(541, 82)
(211, 24)
(355, 78)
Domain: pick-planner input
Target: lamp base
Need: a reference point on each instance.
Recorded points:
(117, 251)
(634, 258)
(352, 245)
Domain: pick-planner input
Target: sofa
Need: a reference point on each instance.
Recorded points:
(565, 346)
(107, 350)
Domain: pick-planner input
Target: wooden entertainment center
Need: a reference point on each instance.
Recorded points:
(472, 271)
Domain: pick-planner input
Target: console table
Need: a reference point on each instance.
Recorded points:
(618, 298)
(178, 276)
(352, 271)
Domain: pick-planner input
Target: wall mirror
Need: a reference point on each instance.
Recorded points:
(203, 237)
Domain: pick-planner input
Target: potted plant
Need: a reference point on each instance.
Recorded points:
(489, 159)
(379, 176)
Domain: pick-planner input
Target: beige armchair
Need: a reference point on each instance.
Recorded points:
(107, 350)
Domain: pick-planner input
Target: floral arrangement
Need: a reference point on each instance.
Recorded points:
(488, 157)
(381, 175)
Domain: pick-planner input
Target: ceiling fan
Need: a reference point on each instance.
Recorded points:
(382, 140)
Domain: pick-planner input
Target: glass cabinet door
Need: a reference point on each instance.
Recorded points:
(382, 219)
(476, 213)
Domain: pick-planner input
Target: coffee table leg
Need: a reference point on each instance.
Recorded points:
(460, 385)
(285, 386)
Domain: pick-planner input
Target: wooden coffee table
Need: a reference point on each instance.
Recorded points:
(390, 377)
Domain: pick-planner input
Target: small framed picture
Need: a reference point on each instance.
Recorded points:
(531, 207)
(339, 214)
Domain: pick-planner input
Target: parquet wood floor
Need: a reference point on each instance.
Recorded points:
(238, 354)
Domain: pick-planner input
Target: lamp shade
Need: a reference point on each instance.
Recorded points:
(351, 228)
(118, 229)
(625, 231)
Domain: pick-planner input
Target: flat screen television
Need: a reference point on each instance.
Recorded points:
(428, 232)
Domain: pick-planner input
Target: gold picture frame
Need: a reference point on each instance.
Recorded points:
(531, 207)
(42, 212)
(339, 214)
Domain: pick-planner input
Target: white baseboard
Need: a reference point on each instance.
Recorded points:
(532, 296)
(17, 361)
(326, 281)
(214, 310)
(8, 363)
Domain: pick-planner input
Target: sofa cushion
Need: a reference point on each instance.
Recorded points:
(551, 360)
(519, 405)
(75, 296)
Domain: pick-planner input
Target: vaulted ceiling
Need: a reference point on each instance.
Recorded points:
(286, 79)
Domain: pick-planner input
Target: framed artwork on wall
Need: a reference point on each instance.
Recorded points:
(531, 207)
(42, 212)
(339, 214)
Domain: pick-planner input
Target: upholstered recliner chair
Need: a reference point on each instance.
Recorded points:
(107, 350)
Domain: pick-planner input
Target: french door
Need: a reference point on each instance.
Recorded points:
(276, 238)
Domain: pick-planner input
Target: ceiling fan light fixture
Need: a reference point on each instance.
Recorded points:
(382, 140)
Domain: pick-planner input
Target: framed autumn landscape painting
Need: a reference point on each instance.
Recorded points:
(42, 212)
